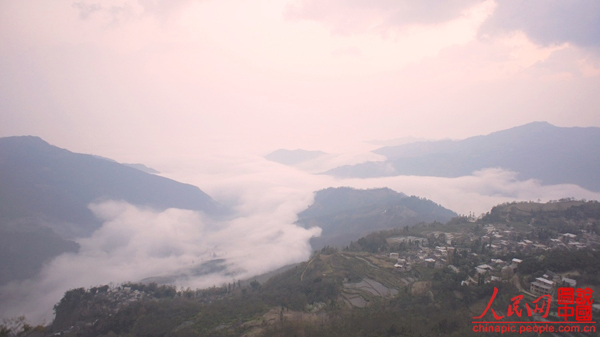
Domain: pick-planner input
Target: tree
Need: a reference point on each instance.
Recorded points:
(255, 285)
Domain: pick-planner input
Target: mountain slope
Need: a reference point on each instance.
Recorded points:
(25, 248)
(345, 214)
(45, 191)
(41, 180)
(537, 150)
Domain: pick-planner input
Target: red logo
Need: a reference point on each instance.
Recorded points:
(571, 302)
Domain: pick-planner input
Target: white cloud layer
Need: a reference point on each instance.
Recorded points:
(134, 244)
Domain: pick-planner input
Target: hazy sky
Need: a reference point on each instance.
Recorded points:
(138, 79)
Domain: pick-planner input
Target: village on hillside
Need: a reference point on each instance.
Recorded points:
(485, 251)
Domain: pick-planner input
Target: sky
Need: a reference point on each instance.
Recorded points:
(201, 90)
(139, 79)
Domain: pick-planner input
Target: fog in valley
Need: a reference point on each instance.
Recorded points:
(190, 249)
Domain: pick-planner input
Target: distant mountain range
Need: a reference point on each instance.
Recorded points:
(538, 150)
(346, 214)
(45, 191)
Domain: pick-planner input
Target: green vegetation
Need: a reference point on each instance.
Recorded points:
(346, 214)
(587, 262)
(565, 215)
(357, 291)
(156, 311)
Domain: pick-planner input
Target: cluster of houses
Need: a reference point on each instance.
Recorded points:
(548, 283)
(431, 257)
(497, 239)
(496, 271)
(506, 241)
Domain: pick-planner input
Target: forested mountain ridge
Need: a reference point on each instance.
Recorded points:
(345, 214)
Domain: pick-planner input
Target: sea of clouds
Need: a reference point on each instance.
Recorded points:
(176, 246)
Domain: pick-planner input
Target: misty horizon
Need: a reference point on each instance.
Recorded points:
(136, 243)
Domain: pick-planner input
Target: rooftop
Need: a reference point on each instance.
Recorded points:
(548, 282)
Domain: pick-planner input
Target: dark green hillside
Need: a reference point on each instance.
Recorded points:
(332, 294)
(332, 200)
(548, 219)
(345, 214)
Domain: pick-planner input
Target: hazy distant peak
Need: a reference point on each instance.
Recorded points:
(293, 157)
(25, 138)
(142, 168)
(104, 158)
(345, 190)
(396, 141)
(336, 199)
(24, 141)
(539, 126)
(137, 166)
(538, 150)
(536, 124)
(39, 178)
